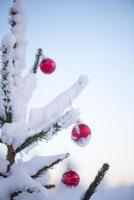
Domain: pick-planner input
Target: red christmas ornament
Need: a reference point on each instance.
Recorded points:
(47, 66)
(80, 132)
(71, 178)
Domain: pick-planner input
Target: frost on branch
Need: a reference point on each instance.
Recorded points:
(39, 165)
(2, 111)
(51, 112)
(20, 137)
(19, 180)
(3, 165)
(23, 94)
(7, 78)
(26, 174)
(13, 133)
(9, 41)
(30, 138)
(18, 28)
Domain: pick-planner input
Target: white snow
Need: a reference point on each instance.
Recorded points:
(19, 6)
(2, 113)
(36, 163)
(24, 182)
(23, 94)
(20, 18)
(8, 70)
(22, 172)
(19, 33)
(3, 165)
(14, 133)
(44, 179)
(69, 118)
(8, 41)
(33, 196)
(52, 111)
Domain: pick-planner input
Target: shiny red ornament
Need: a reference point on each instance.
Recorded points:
(47, 66)
(80, 132)
(71, 178)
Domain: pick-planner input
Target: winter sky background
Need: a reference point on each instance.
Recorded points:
(96, 38)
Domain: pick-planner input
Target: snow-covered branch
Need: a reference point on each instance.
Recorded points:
(49, 186)
(19, 180)
(23, 94)
(7, 80)
(15, 194)
(51, 112)
(66, 120)
(46, 167)
(18, 28)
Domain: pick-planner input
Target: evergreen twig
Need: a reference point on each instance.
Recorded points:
(31, 140)
(92, 188)
(17, 193)
(5, 86)
(49, 186)
(45, 168)
(2, 175)
(36, 62)
(39, 136)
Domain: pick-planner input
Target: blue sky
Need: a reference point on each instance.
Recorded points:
(93, 37)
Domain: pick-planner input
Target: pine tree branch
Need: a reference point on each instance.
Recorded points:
(1, 141)
(37, 58)
(2, 175)
(45, 168)
(31, 140)
(39, 136)
(92, 188)
(43, 134)
(11, 153)
(5, 87)
(17, 193)
(49, 186)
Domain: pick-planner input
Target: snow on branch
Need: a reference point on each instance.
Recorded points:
(18, 28)
(3, 167)
(9, 185)
(7, 78)
(46, 167)
(13, 61)
(27, 194)
(41, 164)
(51, 112)
(17, 22)
(23, 94)
(67, 119)
(15, 194)
(2, 111)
